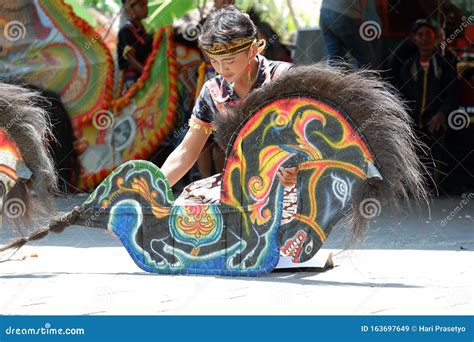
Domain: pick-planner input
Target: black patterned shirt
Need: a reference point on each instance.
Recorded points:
(217, 92)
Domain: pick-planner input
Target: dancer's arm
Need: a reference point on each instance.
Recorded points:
(134, 63)
(185, 155)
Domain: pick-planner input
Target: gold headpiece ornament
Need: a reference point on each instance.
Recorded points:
(234, 46)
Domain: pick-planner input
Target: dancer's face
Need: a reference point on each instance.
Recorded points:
(425, 39)
(138, 9)
(234, 67)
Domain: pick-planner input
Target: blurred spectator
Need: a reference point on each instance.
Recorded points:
(407, 49)
(134, 43)
(444, 13)
(428, 82)
(404, 51)
(274, 49)
(341, 21)
(398, 16)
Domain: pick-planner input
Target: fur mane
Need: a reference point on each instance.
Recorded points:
(25, 123)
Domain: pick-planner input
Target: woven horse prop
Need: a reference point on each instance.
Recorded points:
(350, 138)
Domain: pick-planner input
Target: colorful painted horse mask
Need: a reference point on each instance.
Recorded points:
(10, 157)
(327, 122)
(244, 234)
(27, 176)
(290, 122)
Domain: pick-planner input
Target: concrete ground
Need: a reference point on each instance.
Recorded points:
(408, 264)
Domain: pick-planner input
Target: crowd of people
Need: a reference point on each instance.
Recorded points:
(418, 69)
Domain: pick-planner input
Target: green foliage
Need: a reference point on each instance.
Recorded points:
(268, 9)
(278, 14)
(161, 12)
(81, 9)
(104, 6)
(467, 6)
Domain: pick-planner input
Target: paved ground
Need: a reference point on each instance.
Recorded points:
(408, 264)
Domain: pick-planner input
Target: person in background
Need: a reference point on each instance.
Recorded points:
(341, 22)
(428, 81)
(134, 43)
(407, 48)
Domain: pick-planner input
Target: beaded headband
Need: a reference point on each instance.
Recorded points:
(233, 47)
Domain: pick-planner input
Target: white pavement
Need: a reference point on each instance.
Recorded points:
(408, 265)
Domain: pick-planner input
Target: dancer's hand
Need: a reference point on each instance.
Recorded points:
(437, 122)
(287, 176)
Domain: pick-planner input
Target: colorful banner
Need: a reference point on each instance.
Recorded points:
(46, 45)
